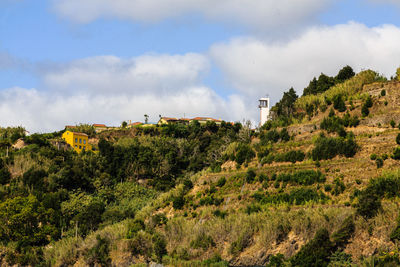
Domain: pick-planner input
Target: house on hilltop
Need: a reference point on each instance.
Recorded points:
(78, 141)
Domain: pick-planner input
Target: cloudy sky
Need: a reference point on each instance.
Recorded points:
(105, 61)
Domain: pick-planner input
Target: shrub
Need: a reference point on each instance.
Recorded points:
(328, 188)
(221, 182)
(398, 139)
(373, 157)
(241, 243)
(5, 174)
(364, 111)
(316, 252)
(291, 156)
(395, 234)
(392, 123)
(159, 246)
(338, 103)
(99, 254)
(368, 102)
(383, 92)
(329, 147)
(339, 187)
(341, 237)
(134, 227)
(252, 208)
(244, 153)
(202, 241)
(379, 163)
(276, 260)
(250, 176)
(178, 202)
(396, 153)
(368, 203)
(306, 177)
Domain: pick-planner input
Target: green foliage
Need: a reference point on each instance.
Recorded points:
(373, 156)
(276, 260)
(316, 252)
(250, 175)
(344, 74)
(244, 153)
(5, 174)
(398, 139)
(364, 111)
(99, 253)
(285, 107)
(306, 177)
(341, 237)
(242, 242)
(392, 123)
(338, 187)
(221, 182)
(178, 202)
(134, 227)
(369, 203)
(396, 153)
(338, 103)
(379, 163)
(290, 156)
(329, 147)
(203, 241)
(159, 246)
(25, 221)
(297, 196)
(383, 92)
(395, 234)
(83, 128)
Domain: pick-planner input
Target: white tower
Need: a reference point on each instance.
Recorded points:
(264, 110)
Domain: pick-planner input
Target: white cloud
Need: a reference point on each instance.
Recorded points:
(141, 75)
(256, 67)
(109, 90)
(42, 111)
(255, 13)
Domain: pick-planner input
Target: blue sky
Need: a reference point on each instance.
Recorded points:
(117, 60)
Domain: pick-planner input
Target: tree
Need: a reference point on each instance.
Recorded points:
(124, 124)
(344, 74)
(25, 221)
(146, 118)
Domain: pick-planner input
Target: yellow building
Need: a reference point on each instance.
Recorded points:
(78, 141)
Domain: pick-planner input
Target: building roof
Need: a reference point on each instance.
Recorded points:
(169, 119)
(70, 126)
(205, 119)
(76, 133)
(99, 125)
(135, 124)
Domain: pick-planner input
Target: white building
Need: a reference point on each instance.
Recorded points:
(264, 110)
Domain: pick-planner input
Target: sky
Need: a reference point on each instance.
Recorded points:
(66, 62)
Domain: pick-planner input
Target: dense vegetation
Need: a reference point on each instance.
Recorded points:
(206, 195)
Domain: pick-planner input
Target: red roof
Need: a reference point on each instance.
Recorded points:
(99, 125)
(70, 126)
(135, 124)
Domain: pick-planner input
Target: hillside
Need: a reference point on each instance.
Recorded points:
(319, 186)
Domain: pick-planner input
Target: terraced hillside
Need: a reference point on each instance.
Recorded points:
(320, 190)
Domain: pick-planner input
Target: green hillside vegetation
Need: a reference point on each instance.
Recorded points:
(318, 185)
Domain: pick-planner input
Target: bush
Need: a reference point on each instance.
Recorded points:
(392, 123)
(398, 139)
(396, 153)
(159, 246)
(134, 227)
(99, 254)
(379, 163)
(364, 111)
(5, 174)
(291, 156)
(276, 260)
(373, 157)
(241, 243)
(252, 209)
(338, 103)
(316, 252)
(250, 176)
(178, 202)
(368, 203)
(202, 241)
(329, 147)
(306, 177)
(221, 182)
(244, 154)
(395, 234)
(383, 92)
(341, 237)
